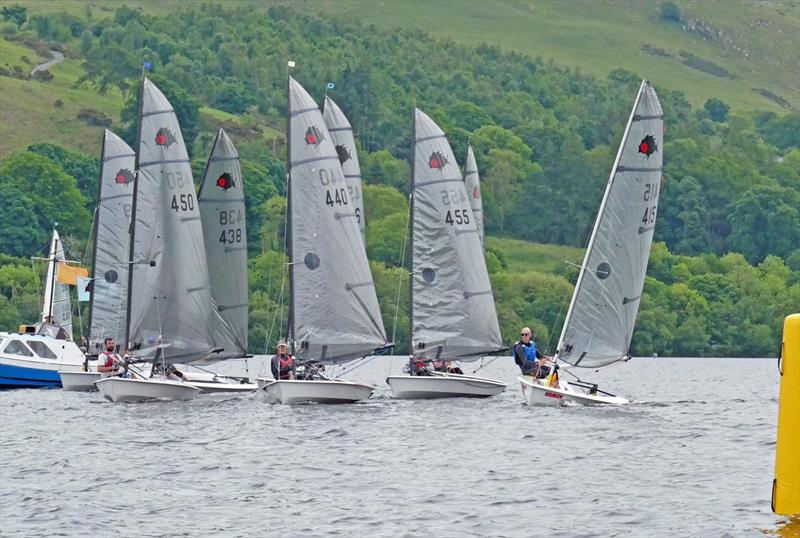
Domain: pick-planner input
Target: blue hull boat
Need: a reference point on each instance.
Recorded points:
(18, 377)
(29, 360)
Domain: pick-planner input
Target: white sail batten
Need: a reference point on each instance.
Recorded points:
(222, 209)
(57, 307)
(334, 306)
(453, 314)
(599, 323)
(345, 145)
(108, 308)
(171, 311)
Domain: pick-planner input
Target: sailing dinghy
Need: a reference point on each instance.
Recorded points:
(109, 284)
(171, 313)
(334, 313)
(453, 317)
(601, 317)
(223, 214)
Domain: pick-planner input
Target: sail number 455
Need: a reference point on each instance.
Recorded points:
(457, 216)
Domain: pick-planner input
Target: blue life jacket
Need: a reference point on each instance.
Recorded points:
(530, 351)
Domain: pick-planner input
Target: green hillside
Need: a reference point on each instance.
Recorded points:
(749, 40)
(738, 51)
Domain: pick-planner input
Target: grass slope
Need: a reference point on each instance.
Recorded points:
(754, 41)
(751, 40)
(28, 113)
(522, 256)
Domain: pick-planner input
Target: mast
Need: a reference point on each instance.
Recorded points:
(133, 214)
(599, 217)
(208, 162)
(52, 262)
(289, 241)
(96, 229)
(411, 225)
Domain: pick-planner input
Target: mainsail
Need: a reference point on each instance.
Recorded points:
(334, 309)
(452, 307)
(345, 145)
(171, 311)
(473, 184)
(599, 324)
(222, 211)
(107, 307)
(57, 307)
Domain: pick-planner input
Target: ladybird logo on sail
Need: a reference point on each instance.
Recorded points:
(476, 193)
(648, 146)
(225, 182)
(123, 177)
(343, 154)
(314, 136)
(437, 161)
(165, 137)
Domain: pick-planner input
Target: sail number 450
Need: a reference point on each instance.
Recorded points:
(182, 202)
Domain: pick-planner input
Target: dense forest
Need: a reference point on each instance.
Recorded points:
(725, 270)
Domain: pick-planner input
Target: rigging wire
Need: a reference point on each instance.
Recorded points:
(279, 307)
(400, 277)
(400, 283)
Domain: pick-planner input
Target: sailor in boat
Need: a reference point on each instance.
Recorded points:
(417, 366)
(282, 363)
(448, 367)
(109, 362)
(528, 357)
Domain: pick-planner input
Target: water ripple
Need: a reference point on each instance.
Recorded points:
(692, 456)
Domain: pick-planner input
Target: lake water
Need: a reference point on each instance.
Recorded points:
(692, 456)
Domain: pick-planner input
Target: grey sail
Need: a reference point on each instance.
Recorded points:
(599, 324)
(222, 211)
(473, 185)
(345, 145)
(334, 307)
(108, 306)
(170, 306)
(452, 307)
(57, 307)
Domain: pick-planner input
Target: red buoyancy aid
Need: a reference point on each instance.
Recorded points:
(285, 366)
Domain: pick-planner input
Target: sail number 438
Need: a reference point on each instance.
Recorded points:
(230, 217)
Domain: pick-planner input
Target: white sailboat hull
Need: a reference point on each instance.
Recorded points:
(538, 394)
(315, 391)
(209, 383)
(118, 389)
(79, 381)
(223, 386)
(443, 386)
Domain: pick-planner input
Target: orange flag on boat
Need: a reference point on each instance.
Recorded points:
(68, 274)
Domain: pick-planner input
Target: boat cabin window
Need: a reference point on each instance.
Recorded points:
(16, 347)
(41, 349)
